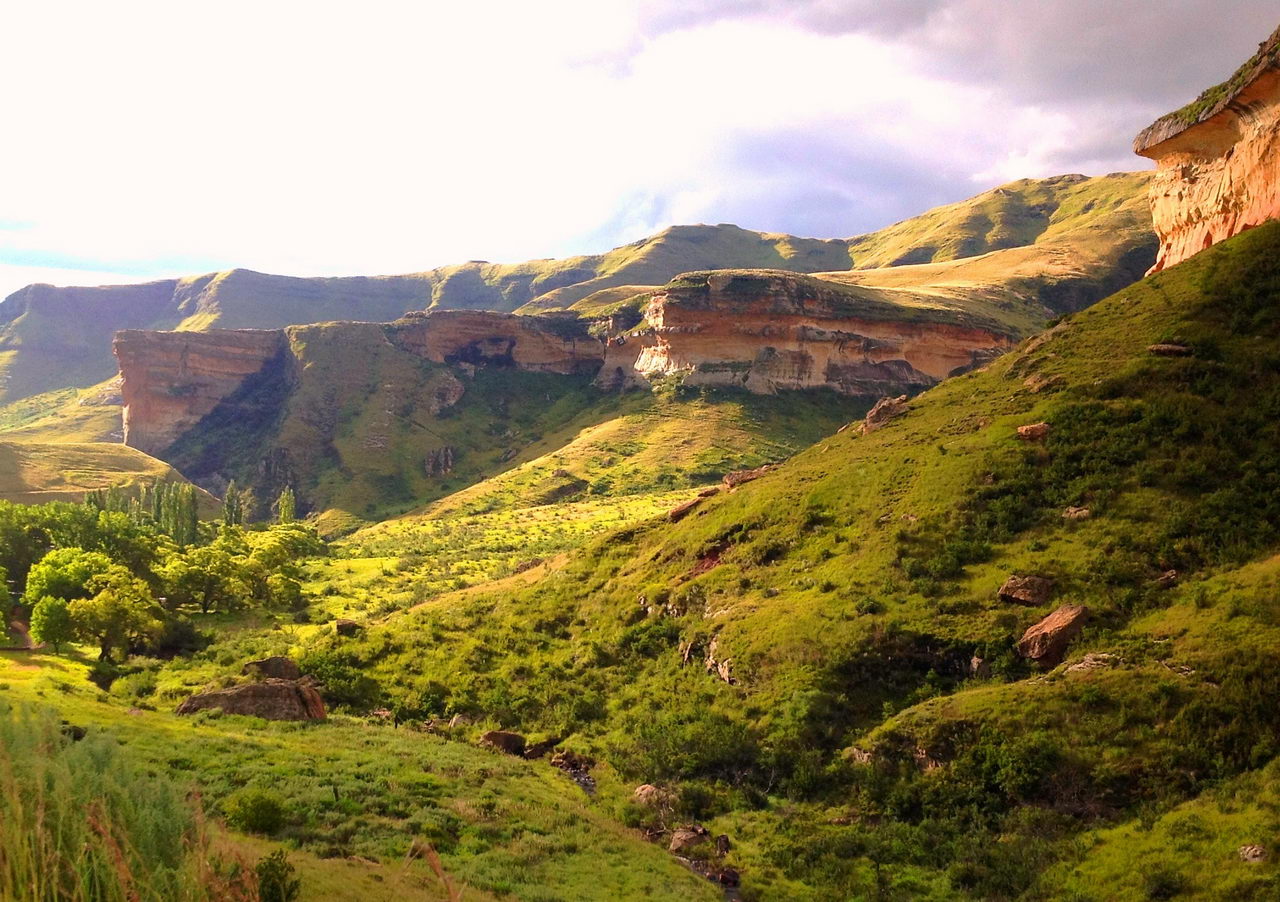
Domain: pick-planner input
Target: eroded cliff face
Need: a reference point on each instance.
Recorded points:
(1218, 161)
(172, 380)
(548, 344)
(772, 331)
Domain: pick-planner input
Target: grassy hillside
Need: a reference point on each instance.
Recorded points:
(56, 338)
(36, 472)
(842, 737)
(359, 442)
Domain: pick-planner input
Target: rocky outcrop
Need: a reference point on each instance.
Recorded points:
(270, 699)
(1029, 590)
(1218, 160)
(277, 667)
(1046, 642)
(503, 741)
(768, 331)
(884, 410)
(547, 344)
(172, 380)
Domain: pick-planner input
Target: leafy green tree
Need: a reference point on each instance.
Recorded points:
(232, 505)
(51, 622)
(121, 611)
(65, 573)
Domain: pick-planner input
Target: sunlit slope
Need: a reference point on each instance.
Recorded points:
(36, 472)
(849, 590)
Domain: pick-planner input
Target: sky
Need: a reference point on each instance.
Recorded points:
(149, 139)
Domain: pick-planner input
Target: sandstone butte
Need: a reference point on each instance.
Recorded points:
(764, 331)
(768, 331)
(1218, 160)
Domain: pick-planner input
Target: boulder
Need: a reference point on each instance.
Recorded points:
(738, 477)
(347, 627)
(723, 845)
(1034, 432)
(1047, 641)
(503, 741)
(1029, 590)
(885, 410)
(1077, 513)
(1094, 661)
(270, 699)
(541, 749)
(651, 796)
(680, 511)
(1167, 580)
(1169, 350)
(979, 668)
(277, 667)
(1253, 853)
(685, 838)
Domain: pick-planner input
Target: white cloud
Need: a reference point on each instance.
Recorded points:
(320, 137)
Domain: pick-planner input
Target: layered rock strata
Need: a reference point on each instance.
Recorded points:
(1218, 160)
(768, 331)
(172, 380)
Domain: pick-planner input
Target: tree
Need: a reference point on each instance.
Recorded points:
(232, 506)
(120, 612)
(51, 622)
(65, 573)
(286, 506)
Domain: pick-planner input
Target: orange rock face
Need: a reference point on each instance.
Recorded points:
(482, 338)
(171, 380)
(1219, 173)
(771, 331)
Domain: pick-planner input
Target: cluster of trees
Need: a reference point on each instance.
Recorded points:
(126, 574)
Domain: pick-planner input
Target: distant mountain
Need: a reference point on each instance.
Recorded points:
(55, 338)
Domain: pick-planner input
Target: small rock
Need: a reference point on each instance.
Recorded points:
(686, 838)
(1253, 853)
(278, 667)
(503, 741)
(1168, 349)
(979, 668)
(1093, 661)
(722, 845)
(738, 477)
(886, 409)
(540, 749)
(1038, 382)
(1034, 432)
(728, 877)
(560, 473)
(1029, 590)
(1077, 513)
(651, 796)
(1167, 580)
(347, 627)
(1047, 641)
(458, 720)
(680, 511)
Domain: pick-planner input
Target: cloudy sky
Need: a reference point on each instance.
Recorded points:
(148, 139)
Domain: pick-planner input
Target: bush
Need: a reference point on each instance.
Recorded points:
(255, 811)
(276, 882)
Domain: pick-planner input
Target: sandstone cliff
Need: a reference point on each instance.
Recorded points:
(1218, 160)
(769, 331)
(172, 380)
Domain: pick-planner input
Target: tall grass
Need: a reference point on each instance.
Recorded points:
(79, 823)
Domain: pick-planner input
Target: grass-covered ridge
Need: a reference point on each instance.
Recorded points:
(845, 593)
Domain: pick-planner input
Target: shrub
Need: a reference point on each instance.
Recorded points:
(276, 882)
(255, 810)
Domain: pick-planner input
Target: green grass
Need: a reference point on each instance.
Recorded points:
(36, 472)
(353, 788)
(850, 587)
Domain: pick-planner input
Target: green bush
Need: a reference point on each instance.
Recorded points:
(255, 810)
(276, 882)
